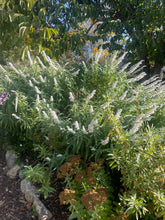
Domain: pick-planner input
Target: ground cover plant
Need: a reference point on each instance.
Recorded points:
(90, 120)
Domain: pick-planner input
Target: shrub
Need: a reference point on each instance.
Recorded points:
(98, 111)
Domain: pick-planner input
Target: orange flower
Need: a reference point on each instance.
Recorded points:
(67, 195)
(94, 166)
(66, 169)
(94, 197)
(75, 160)
(102, 192)
(80, 177)
(91, 181)
(89, 171)
(90, 199)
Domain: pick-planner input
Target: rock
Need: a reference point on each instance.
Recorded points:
(43, 212)
(31, 196)
(11, 158)
(12, 173)
(21, 175)
(29, 191)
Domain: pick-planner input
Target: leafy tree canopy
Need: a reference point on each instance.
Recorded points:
(29, 25)
(135, 26)
(57, 26)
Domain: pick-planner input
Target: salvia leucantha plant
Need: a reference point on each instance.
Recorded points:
(95, 110)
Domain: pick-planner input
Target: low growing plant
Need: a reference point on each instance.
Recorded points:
(88, 189)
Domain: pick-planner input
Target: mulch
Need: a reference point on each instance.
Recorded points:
(13, 205)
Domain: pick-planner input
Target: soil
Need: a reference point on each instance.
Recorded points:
(13, 205)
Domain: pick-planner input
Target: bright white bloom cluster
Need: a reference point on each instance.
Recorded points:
(151, 112)
(37, 90)
(137, 124)
(47, 58)
(48, 158)
(91, 125)
(126, 116)
(30, 83)
(152, 84)
(90, 128)
(90, 96)
(71, 97)
(91, 109)
(30, 59)
(18, 72)
(120, 59)
(43, 80)
(136, 127)
(70, 130)
(76, 124)
(2, 69)
(137, 78)
(107, 104)
(15, 116)
(37, 109)
(35, 80)
(152, 89)
(51, 98)
(8, 79)
(150, 80)
(157, 93)
(131, 99)
(117, 116)
(84, 130)
(76, 73)
(66, 63)
(54, 116)
(40, 62)
(12, 66)
(147, 106)
(124, 95)
(38, 99)
(16, 103)
(124, 67)
(106, 141)
(55, 81)
(59, 155)
(134, 67)
(84, 65)
(45, 114)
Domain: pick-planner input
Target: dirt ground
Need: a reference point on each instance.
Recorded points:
(13, 205)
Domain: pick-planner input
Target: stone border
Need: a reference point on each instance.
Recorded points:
(27, 188)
